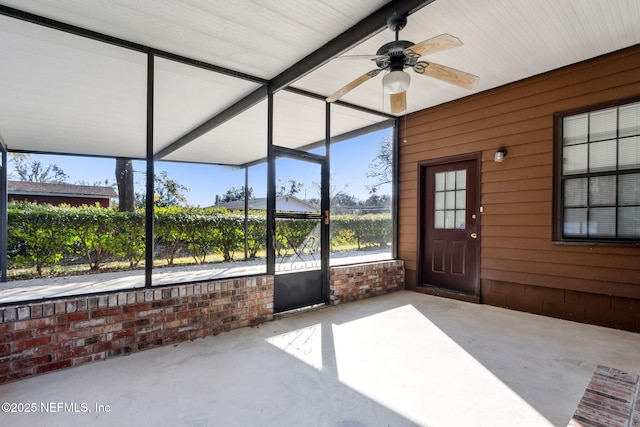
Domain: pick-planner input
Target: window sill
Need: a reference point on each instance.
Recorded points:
(596, 243)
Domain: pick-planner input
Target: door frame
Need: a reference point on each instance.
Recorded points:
(421, 214)
(304, 281)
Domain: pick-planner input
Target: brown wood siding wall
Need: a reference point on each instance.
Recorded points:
(517, 194)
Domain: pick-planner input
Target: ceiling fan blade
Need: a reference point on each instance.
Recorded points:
(433, 45)
(357, 82)
(398, 102)
(358, 57)
(447, 74)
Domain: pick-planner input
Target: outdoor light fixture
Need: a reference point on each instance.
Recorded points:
(501, 153)
(396, 82)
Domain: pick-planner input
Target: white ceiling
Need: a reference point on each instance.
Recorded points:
(62, 93)
(504, 41)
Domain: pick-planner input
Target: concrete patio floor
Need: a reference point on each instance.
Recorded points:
(398, 360)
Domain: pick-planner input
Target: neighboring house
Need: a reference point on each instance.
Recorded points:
(283, 203)
(60, 193)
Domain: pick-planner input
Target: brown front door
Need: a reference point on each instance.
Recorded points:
(450, 243)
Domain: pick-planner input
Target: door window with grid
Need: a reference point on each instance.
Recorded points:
(599, 197)
(450, 200)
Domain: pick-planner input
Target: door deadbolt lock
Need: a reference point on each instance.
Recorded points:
(474, 235)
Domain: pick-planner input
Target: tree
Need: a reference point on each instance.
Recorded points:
(168, 192)
(381, 167)
(234, 194)
(288, 187)
(27, 169)
(343, 203)
(124, 180)
(376, 203)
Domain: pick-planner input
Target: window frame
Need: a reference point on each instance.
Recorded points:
(558, 178)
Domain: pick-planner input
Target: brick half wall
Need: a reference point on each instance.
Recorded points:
(356, 282)
(596, 309)
(40, 337)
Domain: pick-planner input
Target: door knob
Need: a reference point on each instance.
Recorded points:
(474, 235)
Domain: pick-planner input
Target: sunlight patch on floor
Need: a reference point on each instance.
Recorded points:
(403, 361)
(304, 344)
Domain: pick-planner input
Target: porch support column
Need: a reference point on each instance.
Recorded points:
(394, 187)
(4, 220)
(271, 189)
(325, 206)
(246, 213)
(149, 199)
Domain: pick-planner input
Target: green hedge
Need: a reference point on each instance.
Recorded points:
(367, 230)
(42, 235)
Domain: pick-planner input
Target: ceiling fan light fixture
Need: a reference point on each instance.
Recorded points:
(396, 82)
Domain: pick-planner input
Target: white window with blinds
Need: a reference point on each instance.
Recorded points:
(599, 197)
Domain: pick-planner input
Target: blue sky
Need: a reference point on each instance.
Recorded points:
(350, 161)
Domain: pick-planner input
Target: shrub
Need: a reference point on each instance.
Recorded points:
(37, 234)
(130, 236)
(170, 230)
(367, 230)
(228, 233)
(256, 234)
(293, 234)
(93, 230)
(40, 235)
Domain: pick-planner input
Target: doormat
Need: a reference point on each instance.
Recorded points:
(612, 399)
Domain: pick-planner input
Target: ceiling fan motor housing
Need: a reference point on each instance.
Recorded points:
(395, 57)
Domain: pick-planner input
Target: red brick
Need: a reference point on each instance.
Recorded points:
(52, 348)
(96, 330)
(15, 336)
(123, 333)
(31, 343)
(136, 307)
(185, 314)
(65, 336)
(102, 346)
(51, 330)
(17, 375)
(136, 323)
(29, 324)
(151, 313)
(166, 318)
(75, 352)
(88, 358)
(89, 323)
(106, 312)
(5, 348)
(53, 366)
(34, 361)
(60, 307)
(36, 310)
(172, 324)
(121, 317)
(5, 367)
(72, 317)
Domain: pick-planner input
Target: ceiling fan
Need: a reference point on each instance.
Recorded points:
(397, 55)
